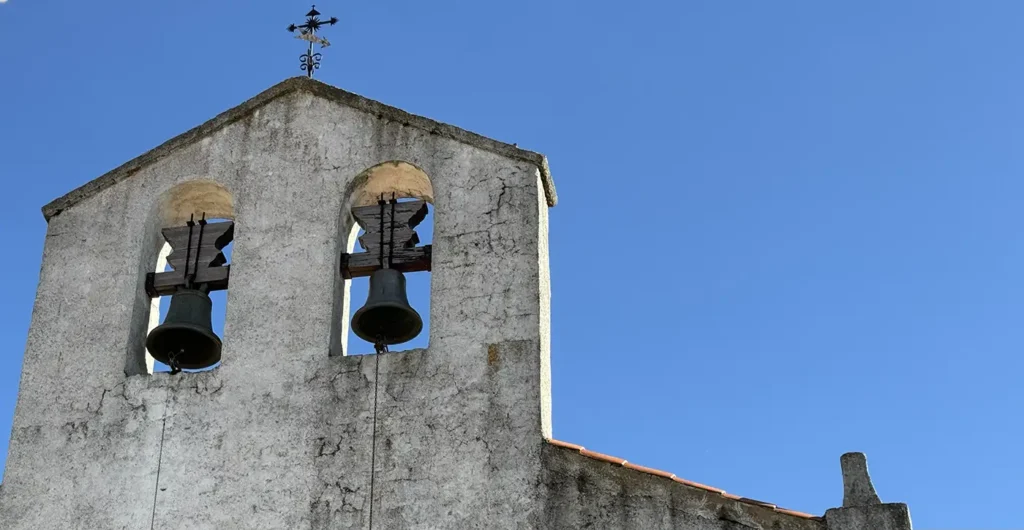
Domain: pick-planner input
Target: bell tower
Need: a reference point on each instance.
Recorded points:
(274, 424)
(289, 430)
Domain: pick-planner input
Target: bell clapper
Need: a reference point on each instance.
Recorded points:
(172, 361)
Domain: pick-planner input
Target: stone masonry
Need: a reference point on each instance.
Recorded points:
(290, 431)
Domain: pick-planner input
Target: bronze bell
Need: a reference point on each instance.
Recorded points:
(387, 317)
(186, 338)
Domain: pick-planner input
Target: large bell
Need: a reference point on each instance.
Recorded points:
(387, 316)
(186, 338)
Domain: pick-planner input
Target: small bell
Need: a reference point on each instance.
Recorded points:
(386, 317)
(186, 338)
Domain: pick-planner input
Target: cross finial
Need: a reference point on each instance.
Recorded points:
(311, 61)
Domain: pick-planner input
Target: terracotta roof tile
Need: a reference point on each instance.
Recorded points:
(602, 457)
(698, 485)
(748, 500)
(665, 474)
(650, 471)
(566, 445)
(796, 513)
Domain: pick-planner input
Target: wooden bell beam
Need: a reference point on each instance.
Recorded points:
(196, 258)
(168, 283)
(404, 260)
(389, 236)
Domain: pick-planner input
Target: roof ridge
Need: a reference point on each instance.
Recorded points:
(319, 88)
(666, 474)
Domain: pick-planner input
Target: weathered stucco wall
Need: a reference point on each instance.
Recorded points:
(286, 432)
(282, 435)
(586, 493)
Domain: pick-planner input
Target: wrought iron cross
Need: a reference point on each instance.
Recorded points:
(311, 61)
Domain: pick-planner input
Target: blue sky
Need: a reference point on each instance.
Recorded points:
(787, 230)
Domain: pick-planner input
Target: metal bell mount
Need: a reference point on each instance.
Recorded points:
(186, 340)
(387, 318)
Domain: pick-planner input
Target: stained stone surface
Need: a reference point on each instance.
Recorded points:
(282, 435)
(290, 431)
(587, 493)
(877, 517)
(857, 487)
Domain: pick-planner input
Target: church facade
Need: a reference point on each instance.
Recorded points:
(290, 431)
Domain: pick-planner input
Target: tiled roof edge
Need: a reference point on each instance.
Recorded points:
(318, 88)
(665, 474)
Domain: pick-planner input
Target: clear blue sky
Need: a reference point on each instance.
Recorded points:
(824, 200)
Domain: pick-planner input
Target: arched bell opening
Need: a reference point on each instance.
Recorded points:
(391, 190)
(218, 300)
(182, 298)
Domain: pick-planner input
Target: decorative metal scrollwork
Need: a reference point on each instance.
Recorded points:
(309, 61)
